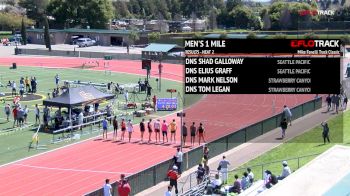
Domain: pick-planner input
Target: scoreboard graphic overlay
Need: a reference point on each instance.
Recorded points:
(262, 66)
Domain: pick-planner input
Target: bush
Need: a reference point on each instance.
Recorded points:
(345, 40)
(252, 35)
(279, 36)
(311, 35)
(197, 36)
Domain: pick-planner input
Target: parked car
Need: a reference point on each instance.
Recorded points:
(12, 41)
(85, 42)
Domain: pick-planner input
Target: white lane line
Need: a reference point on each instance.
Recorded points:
(67, 169)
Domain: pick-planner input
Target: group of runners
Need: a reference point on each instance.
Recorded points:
(158, 127)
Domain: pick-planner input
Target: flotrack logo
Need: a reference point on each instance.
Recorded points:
(314, 43)
(318, 12)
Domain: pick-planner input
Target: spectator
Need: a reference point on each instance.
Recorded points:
(345, 102)
(217, 183)
(223, 168)
(173, 176)
(37, 114)
(193, 130)
(270, 179)
(81, 119)
(200, 173)
(115, 128)
(126, 97)
(206, 151)
(325, 132)
(245, 182)
(287, 114)
(15, 119)
(285, 172)
(250, 175)
(333, 102)
(168, 192)
(26, 81)
(57, 79)
(21, 89)
(236, 188)
(26, 111)
(14, 88)
(184, 133)
(104, 128)
(7, 112)
(284, 125)
(179, 157)
(107, 189)
(337, 102)
(124, 188)
(329, 103)
(154, 99)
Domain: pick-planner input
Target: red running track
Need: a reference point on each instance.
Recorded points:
(82, 167)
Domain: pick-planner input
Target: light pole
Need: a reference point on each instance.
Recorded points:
(181, 115)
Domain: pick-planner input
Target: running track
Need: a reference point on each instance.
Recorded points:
(82, 167)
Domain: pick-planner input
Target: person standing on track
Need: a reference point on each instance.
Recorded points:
(115, 128)
(107, 189)
(193, 133)
(156, 126)
(173, 129)
(130, 129)
(14, 88)
(104, 128)
(150, 130)
(329, 102)
(26, 81)
(15, 118)
(287, 114)
(200, 133)
(184, 133)
(142, 128)
(165, 131)
(37, 114)
(123, 128)
(284, 125)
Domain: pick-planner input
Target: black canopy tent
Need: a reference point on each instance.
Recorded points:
(78, 96)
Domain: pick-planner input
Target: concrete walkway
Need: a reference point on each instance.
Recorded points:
(256, 147)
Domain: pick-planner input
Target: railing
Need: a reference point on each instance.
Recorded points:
(293, 163)
(158, 173)
(95, 121)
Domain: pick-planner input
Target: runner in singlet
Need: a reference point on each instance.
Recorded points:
(123, 128)
(200, 133)
(156, 126)
(165, 131)
(173, 128)
(193, 133)
(142, 129)
(150, 130)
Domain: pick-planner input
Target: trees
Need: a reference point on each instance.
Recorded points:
(23, 33)
(93, 13)
(243, 18)
(10, 21)
(35, 9)
(153, 37)
(133, 37)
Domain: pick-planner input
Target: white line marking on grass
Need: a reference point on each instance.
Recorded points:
(67, 169)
